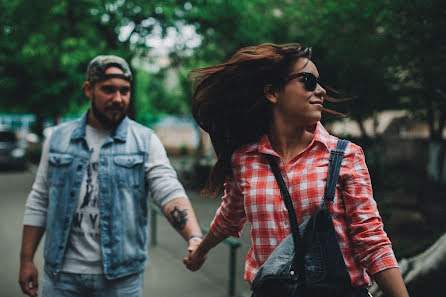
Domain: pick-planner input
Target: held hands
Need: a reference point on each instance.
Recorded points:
(196, 256)
(28, 279)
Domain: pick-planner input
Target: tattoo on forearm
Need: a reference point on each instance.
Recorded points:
(178, 218)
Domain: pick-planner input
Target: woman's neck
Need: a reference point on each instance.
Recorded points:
(288, 141)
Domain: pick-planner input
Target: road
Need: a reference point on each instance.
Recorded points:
(165, 275)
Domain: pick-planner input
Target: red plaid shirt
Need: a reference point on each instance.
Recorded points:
(253, 195)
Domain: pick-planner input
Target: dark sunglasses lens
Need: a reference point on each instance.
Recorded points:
(310, 82)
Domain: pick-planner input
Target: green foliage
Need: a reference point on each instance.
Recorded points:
(45, 51)
(45, 47)
(387, 54)
(159, 93)
(416, 34)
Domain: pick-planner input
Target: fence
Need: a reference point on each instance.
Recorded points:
(232, 243)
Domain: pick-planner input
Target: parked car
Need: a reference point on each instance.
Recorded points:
(12, 155)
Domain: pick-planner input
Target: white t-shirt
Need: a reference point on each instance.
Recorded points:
(85, 239)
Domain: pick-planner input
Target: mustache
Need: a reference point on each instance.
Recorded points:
(115, 106)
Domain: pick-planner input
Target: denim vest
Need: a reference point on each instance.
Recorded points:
(122, 195)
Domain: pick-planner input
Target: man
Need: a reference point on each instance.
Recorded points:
(90, 196)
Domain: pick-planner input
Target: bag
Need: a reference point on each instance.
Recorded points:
(316, 266)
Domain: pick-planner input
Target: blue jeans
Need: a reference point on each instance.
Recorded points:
(91, 285)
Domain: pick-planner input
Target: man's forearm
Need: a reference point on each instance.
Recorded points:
(181, 216)
(31, 237)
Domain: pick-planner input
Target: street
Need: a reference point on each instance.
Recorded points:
(165, 275)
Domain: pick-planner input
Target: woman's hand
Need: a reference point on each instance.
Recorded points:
(195, 260)
(198, 255)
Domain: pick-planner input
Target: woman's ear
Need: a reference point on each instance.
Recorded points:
(270, 93)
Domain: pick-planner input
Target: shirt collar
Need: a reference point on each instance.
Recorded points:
(264, 145)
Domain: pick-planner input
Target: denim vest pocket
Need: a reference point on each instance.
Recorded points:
(59, 166)
(128, 161)
(128, 170)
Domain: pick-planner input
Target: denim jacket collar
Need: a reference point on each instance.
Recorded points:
(119, 134)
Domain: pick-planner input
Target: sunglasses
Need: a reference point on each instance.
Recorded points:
(309, 79)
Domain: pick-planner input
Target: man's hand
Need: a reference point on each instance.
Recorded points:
(195, 259)
(193, 243)
(200, 253)
(28, 279)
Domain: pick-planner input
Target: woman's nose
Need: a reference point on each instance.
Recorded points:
(320, 91)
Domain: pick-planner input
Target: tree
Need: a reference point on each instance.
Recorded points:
(419, 45)
(46, 45)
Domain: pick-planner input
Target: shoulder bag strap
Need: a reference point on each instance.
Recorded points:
(298, 243)
(334, 166)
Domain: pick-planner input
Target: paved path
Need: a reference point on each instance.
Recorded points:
(165, 275)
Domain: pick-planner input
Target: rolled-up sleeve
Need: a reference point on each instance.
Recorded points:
(370, 242)
(230, 217)
(160, 176)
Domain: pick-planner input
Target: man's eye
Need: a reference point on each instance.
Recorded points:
(108, 89)
(125, 90)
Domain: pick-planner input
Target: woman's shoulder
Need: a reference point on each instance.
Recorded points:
(353, 152)
(331, 140)
(245, 153)
(352, 148)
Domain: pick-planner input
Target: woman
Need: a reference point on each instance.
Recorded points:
(267, 100)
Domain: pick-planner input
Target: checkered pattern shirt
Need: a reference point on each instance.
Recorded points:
(253, 195)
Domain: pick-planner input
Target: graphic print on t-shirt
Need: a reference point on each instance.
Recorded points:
(85, 220)
(83, 254)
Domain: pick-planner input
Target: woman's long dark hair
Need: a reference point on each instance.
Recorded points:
(229, 101)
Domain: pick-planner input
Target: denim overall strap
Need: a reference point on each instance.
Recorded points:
(334, 166)
(298, 243)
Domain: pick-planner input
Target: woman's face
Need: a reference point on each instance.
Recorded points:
(296, 105)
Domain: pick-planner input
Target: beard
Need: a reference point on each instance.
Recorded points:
(109, 124)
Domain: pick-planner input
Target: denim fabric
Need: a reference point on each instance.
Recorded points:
(91, 285)
(280, 262)
(122, 191)
(325, 269)
(324, 263)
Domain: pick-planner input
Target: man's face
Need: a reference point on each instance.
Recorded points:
(109, 100)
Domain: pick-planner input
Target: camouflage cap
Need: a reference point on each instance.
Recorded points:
(96, 68)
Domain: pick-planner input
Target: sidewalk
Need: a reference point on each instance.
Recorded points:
(166, 275)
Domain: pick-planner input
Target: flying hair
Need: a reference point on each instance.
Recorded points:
(229, 100)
